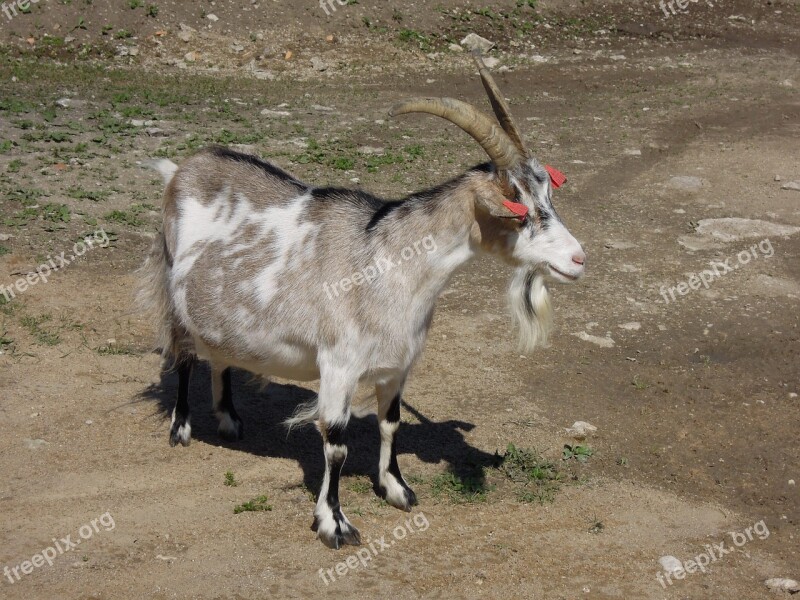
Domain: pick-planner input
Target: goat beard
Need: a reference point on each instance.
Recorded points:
(531, 311)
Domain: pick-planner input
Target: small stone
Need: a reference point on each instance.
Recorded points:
(35, 444)
(603, 342)
(88, 421)
(321, 108)
(69, 39)
(787, 83)
(212, 17)
(777, 178)
(580, 429)
(685, 183)
(64, 102)
(792, 395)
(780, 584)
(577, 51)
(455, 48)
(275, 113)
(474, 42)
(618, 57)
(791, 185)
(156, 132)
(318, 64)
(191, 56)
(791, 482)
(133, 50)
(491, 62)
(236, 48)
(4, 237)
(633, 152)
(614, 245)
(330, 38)
(670, 564)
(632, 326)
(288, 55)
(538, 58)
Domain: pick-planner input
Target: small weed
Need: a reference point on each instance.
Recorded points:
(639, 384)
(230, 480)
(360, 486)
(152, 11)
(540, 477)
(4, 251)
(579, 452)
(43, 336)
(116, 350)
(255, 505)
(15, 165)
(134, 4)
(460, 490)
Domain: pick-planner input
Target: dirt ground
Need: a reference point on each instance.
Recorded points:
(664, 125)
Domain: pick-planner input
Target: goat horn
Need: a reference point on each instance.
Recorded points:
(493, 140)
(499, 104)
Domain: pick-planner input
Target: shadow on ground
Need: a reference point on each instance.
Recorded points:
(263, 411)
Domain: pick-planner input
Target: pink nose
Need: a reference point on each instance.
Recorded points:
(579, 258)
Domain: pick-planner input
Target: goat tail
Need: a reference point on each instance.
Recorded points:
(152, 295)
(164, 166)
(531, 310)
(304, 414)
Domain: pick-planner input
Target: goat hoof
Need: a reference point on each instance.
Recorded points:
(336, 532)
(180, 433)
(398, 495)
(230, 430)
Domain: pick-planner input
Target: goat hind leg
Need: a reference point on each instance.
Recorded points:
(392, 485)
(230, 428)
(180, 431)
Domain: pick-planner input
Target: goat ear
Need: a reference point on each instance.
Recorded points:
(498, 202)
(506, 209)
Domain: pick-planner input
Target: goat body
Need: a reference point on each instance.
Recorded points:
(257, 270)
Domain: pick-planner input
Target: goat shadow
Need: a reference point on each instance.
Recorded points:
(263, 411)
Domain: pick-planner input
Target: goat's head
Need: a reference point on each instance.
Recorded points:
(514, 216)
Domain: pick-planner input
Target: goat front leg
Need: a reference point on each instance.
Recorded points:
(392, 485)
(335, 395)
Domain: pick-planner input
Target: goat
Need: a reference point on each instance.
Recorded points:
(243, 270)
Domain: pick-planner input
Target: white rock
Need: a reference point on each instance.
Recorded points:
(686, 183)
(321, 108)
(212, 17)
(580, 429)
(633, 152)
(64, 102)
(731, 229)
(792, 395)
(538, 58)
(4, 237)
(670, 564)
(133, 50)
(614, 245)
(787, 83)
(34, 444)
(618, 57)
(275, 113)
(791, 185)
(191, 56)
(475, 42)
(455, 48)
(780, 584)
(632, 326)
(371, 150)
(491, 62)
(603, 342)
(318, 64)
(791, 482)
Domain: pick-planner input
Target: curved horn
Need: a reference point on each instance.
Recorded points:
(494, 141)
(499, 105)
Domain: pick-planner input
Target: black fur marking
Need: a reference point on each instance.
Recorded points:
(226, 406)
(383, 212)
(332, 499)
(336, 434)
(249, 159)
(393, 414)
(528, 285)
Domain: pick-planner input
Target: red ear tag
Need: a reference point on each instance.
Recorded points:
(556, 177)
(518, 209)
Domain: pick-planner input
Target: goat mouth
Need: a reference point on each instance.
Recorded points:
(566, 276)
